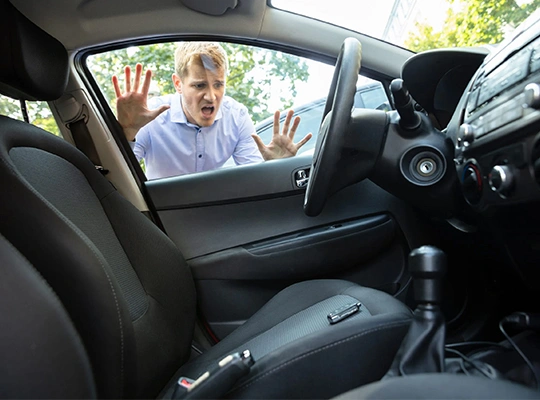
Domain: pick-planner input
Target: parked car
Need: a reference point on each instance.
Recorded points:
(399, 258)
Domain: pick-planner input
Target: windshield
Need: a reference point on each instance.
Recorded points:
(421, 24)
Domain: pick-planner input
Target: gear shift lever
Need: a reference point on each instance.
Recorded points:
(427, 265)
(422, 350)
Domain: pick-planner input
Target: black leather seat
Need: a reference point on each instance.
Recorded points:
(440, 386)
(42, 354)
(128, 289)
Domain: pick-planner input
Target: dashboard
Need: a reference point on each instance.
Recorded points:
(486, 104)
(496, 127)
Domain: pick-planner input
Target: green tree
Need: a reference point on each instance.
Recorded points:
(471, 23)
(255, 74)
(39, 113)
(10, 107)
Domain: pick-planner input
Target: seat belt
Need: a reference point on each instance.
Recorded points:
(83, 140)
(77, 124)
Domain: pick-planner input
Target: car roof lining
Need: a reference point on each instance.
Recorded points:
(97, 22)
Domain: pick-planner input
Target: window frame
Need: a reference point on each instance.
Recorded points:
(108, 115)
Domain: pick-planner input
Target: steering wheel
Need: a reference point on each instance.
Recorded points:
(336, 119)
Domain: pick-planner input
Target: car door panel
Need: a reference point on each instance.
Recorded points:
(323, 251)
(228, 303)
(245, 236)
(361, 250)
(227, 185)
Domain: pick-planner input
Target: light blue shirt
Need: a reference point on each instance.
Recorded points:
(170, 145)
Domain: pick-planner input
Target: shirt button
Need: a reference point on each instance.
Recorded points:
(200, 155)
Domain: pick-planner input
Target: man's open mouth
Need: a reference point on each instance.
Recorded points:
(208, 110)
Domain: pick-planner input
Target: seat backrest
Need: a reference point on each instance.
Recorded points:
(42, 353)
(124, 284)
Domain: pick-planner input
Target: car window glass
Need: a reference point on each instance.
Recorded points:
(373, 96)
(39, 113)
(262, 80)
(369, 94)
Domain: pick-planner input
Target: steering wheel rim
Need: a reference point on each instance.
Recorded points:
(333, 129)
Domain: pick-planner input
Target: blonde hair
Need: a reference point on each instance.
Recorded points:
(208, 54)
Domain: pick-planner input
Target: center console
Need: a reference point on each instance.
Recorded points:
(498, 141)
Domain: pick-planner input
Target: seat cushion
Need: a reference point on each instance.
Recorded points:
(441, 386)
(292, 341)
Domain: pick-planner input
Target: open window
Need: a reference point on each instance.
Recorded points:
(261, 79)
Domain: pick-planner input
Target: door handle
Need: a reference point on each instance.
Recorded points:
(301, 177)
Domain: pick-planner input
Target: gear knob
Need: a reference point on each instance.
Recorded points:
(427, 265)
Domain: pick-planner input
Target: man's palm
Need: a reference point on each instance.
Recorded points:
(131, 106)
(282, 144)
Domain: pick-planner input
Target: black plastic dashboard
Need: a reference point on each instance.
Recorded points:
(496, 128)
(437, 79)
(488, 109)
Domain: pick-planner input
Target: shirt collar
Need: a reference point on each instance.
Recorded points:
(177, 112)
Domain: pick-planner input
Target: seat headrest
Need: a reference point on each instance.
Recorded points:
(33, 64)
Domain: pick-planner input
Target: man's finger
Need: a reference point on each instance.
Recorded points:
(128, 78)
(258, 141)
(287, 122)
(303, 141)
(116, 86)
(146, 83)
(137, 80)
(295, 124)
(159, 110)
(276, 122)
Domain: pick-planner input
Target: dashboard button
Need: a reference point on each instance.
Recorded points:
(532, 95)
(501, 180)
(466, 135)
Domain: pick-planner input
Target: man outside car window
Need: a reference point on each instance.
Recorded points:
(198, 128)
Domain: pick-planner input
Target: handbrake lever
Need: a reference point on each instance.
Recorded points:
(214, 383)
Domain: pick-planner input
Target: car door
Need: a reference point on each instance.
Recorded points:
(244, 233)
(245, 236)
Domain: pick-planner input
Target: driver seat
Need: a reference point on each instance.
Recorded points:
(127, 288)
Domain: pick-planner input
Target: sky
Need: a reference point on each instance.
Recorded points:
(366, 16)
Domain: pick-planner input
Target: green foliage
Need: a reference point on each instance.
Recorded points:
(39, 113)
(255, 74)
(471, 23)
(157, 57)
(10, 107)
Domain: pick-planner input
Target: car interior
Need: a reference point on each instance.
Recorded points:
(398, 259)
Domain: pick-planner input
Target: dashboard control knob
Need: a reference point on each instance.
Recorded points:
(472, 184)
(532, 95)
(501, 179)
(466, 135)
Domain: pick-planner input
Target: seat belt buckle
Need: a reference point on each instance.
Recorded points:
(214, 383)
